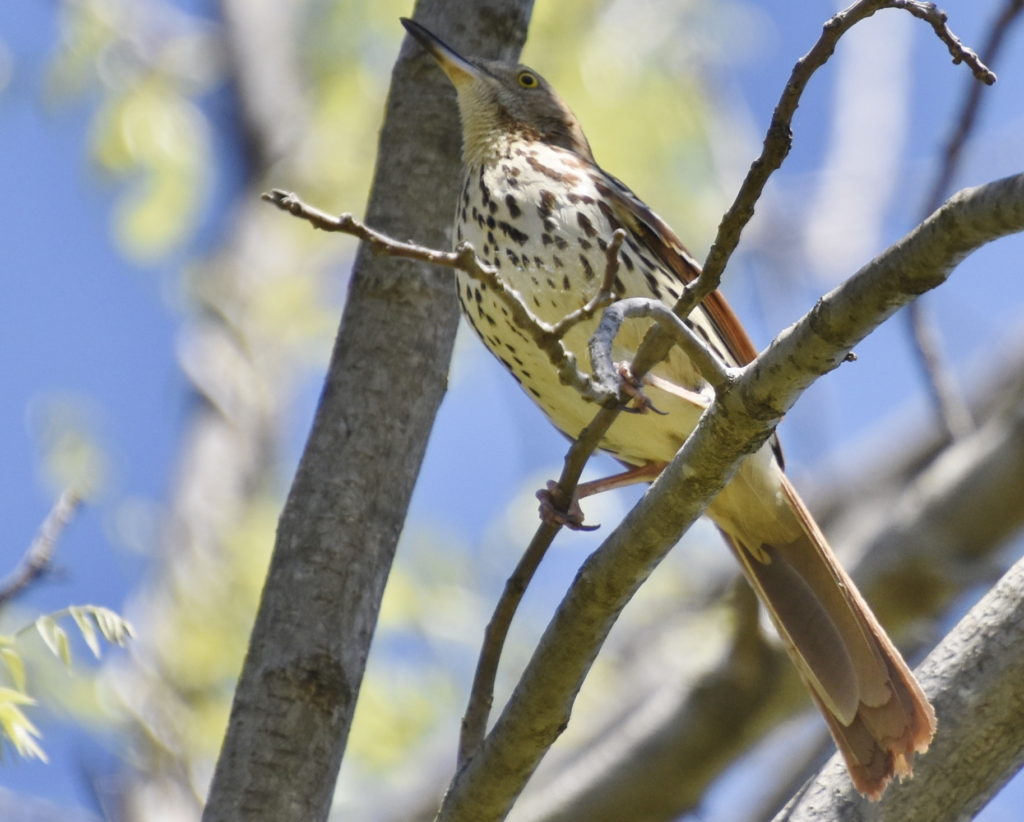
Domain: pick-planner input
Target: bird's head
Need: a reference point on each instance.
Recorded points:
(498, 99)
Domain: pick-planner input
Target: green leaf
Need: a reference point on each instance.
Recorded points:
(12, 659)
(82, 619)
(114, 627)
(55, 637)
(21, 733)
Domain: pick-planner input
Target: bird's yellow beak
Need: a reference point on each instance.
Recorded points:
(459, 70)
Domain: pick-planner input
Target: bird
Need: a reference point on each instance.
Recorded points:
(537, 207)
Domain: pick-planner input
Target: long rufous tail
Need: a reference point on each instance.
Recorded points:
(874, 707)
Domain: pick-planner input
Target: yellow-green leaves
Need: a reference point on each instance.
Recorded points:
(15, 727)
(114, 628)
(155, 138)
(55, 637)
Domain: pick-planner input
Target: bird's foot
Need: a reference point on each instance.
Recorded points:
(555, 510)
(640, 403)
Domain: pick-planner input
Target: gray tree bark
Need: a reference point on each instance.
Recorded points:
(337, 534)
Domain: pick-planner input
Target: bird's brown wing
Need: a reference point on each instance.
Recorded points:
(653, 234)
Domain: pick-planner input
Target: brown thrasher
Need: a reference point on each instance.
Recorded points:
(536, 206)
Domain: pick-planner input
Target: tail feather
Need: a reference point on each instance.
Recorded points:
(874, 707)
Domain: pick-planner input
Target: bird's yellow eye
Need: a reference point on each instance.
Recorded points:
(527, 79)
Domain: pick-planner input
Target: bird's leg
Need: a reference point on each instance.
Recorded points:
(633, 387)
(556, 510)
(643, 473)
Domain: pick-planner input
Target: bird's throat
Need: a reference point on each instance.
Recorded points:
(485, 126)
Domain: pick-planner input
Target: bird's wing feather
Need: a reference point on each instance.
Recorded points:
(655, 235)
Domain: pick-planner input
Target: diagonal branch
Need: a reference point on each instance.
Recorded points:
(970, 106)
(776, 146)
(481, 692)
(37, 559)
(779, 138)
(547, 337)
(736, 425)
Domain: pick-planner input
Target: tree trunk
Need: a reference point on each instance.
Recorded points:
(337, 534)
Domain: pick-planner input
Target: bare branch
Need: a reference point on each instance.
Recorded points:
(936, 18)
(779, 138)
(966, 119)
(711, 368)
(950, 404)
(547, 337)
(777, 143)
(36, 560)
(481, 692)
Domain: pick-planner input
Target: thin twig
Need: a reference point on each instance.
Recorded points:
(777, 143)
(950, 406)
(481, 692)
(711, 367)
(969, 109)
(935, 17)
(605, 294)
(464, 258)
(949, 402)
(37, 559)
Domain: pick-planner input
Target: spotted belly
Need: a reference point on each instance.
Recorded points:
(549, 245)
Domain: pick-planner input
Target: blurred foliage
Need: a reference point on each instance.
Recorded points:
(145, 69)
(66, 427)
(157, 140)
(174, 693)
(599, 55)
(15, 726)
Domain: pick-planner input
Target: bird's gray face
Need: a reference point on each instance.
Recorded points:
(496, 99)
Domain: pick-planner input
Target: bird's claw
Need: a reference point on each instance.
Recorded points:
(631, 386)
(553, 513)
